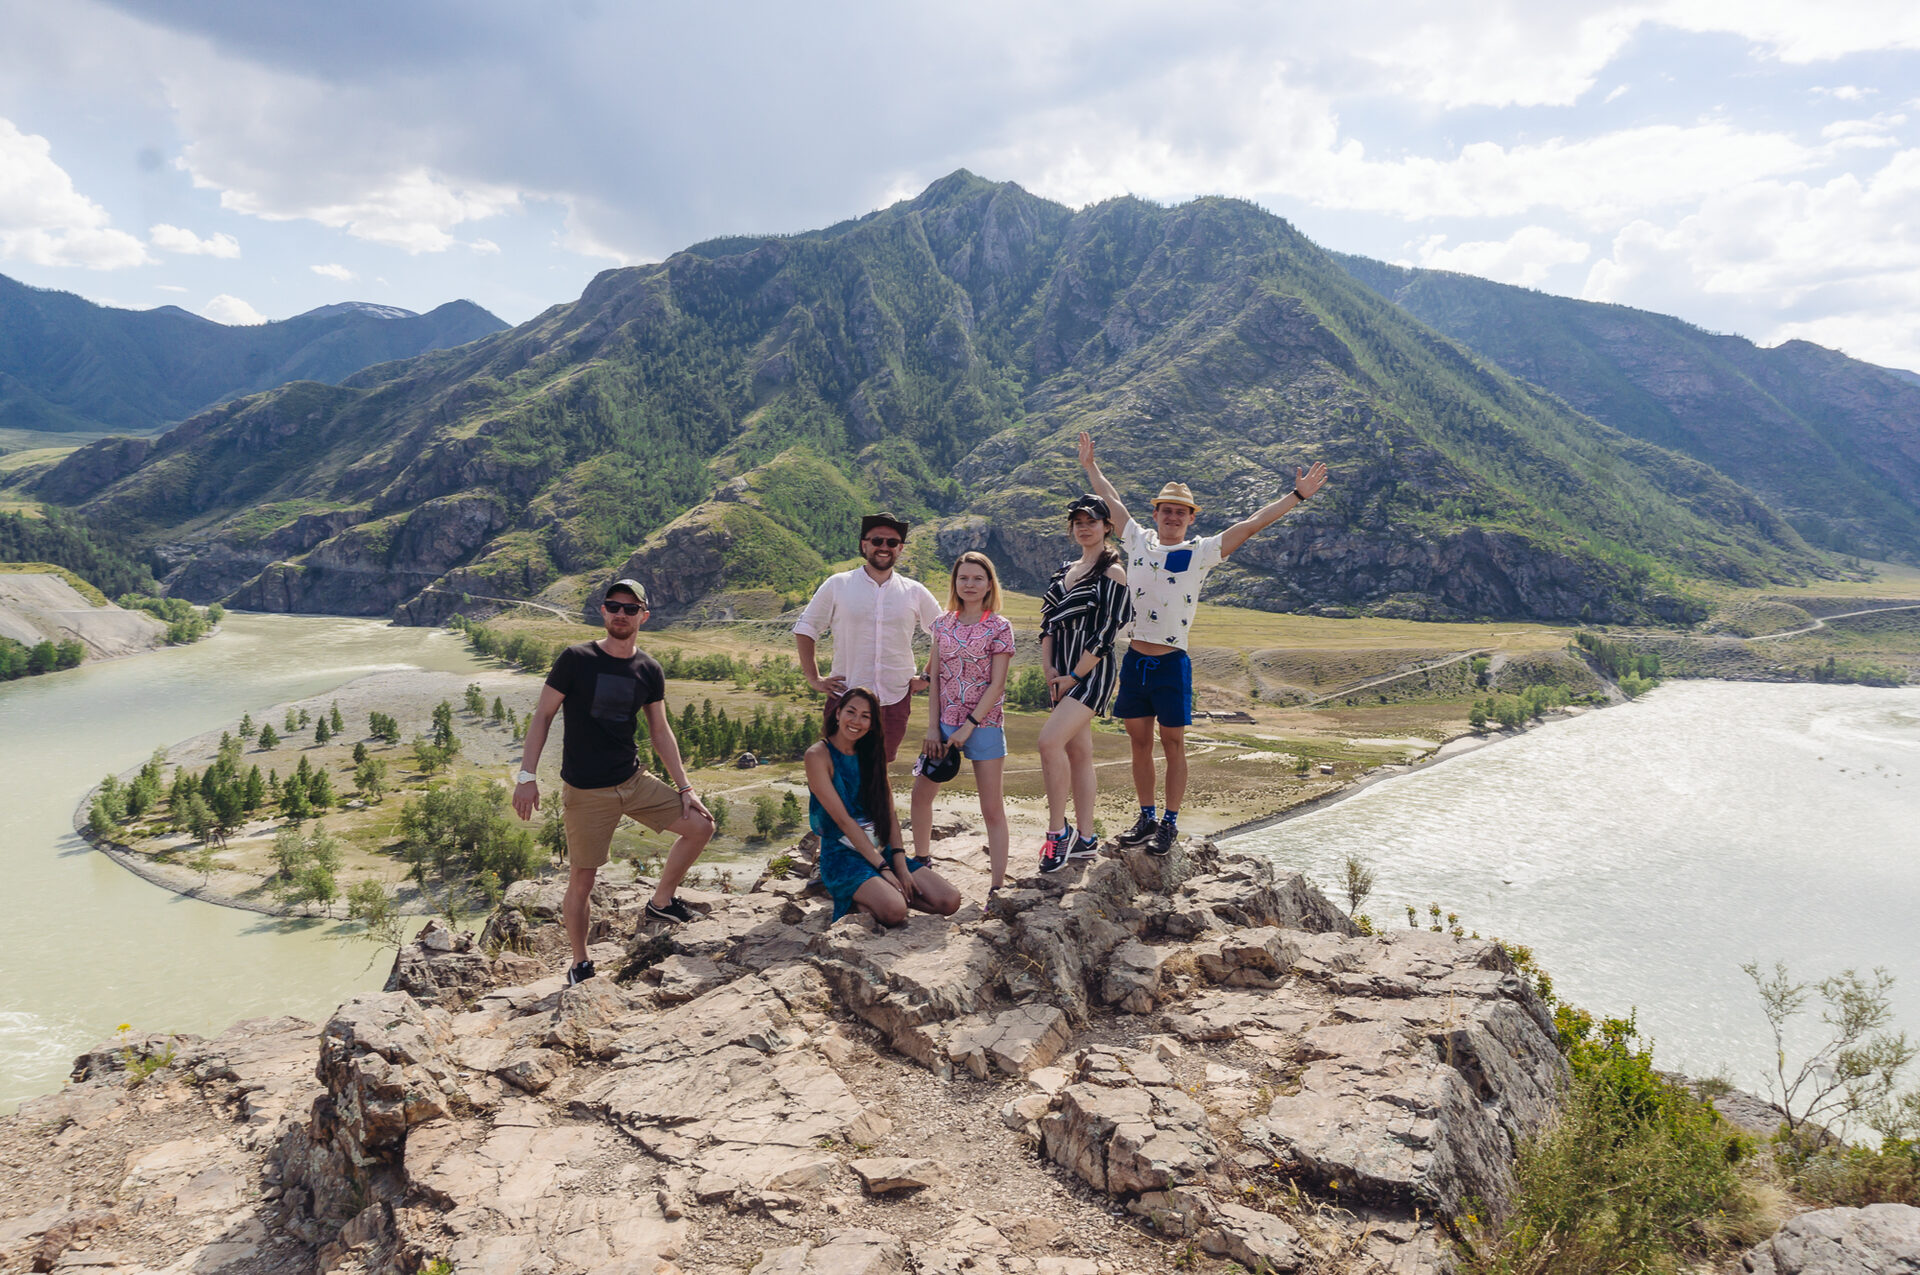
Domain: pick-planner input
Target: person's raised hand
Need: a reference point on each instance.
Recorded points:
(1308, 481)
(1086, 450)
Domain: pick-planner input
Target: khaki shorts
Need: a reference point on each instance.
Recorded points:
(591, 814)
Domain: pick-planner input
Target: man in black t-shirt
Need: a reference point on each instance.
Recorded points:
(604, 686)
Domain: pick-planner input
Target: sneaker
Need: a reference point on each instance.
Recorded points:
(580, 973)
(1164, 835)
(1057, 850)
(1085, 848)
(675, 911)
(1143, 828)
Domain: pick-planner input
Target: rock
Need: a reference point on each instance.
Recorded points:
(381, 1061)
(844, 1252)
(1258, 1241)
(681, 978)
(1133, 977)
(1126, 1135)
(530, 1070)
(880, 1175)
(1881, 1239)
(440, 975)
(1013, 1043)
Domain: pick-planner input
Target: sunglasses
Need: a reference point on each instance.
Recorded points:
(623, 608)
(883, 542)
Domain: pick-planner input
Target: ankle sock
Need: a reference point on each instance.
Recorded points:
(1146, 812)
(1171, 819)
(1064, 830)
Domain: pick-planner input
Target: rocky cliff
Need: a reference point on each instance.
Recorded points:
(1129, 1066)
(938, 357)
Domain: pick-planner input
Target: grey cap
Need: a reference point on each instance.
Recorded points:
(638, 590)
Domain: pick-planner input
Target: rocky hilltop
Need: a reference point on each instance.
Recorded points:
(1135, 1065)
(711, 423)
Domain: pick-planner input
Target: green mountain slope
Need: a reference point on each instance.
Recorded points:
(67, 364)
(714, 422)
(1831, 442)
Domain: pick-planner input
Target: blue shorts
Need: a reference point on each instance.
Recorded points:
(1157, 686)
(987, 743)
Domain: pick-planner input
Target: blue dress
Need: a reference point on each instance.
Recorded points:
(842, 868)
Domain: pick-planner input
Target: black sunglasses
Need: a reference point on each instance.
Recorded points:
(624, 608)
(883, 542)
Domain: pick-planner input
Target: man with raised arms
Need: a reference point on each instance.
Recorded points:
(1165, 570)
(604, 686)
(872, 612)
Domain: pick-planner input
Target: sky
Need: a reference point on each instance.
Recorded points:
(1752, 166)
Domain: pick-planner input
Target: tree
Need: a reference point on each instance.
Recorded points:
(315, 884)
(204, 862)
(1359, 883)
(254, 792)
(1477, 717)
(69, 653)
(43, 658)
(1852, 1074)
(289, 852)
(499, 711)
(443, 736)
(369, 903)
(268, 739)
(370, 777)
(320, 789)
(719, 808)
(384, 727)
(359, 751)
(429, 756)
(294, 802)
(475, 702)
(247, 729)
(789, 813)
(291, 722)
(334, 720)
(322, 732)
(766, 816)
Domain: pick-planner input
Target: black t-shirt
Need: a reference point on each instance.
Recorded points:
(602, 708)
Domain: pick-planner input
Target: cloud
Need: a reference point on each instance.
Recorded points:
(1787, 259)
(1525, 257)
(46, 222)
(483, 248)
(232, 311)
(334, 270)
(174, 239)
(168, 287)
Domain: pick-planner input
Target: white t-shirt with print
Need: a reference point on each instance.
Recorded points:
(1165, 582)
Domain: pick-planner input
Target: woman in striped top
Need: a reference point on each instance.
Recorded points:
(1083, 610)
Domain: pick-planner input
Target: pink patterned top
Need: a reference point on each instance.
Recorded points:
(966, 654)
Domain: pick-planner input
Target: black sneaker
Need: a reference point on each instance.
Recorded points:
(1056, 851)
(675, 911)
(580, 973)
(1143, 827)
(1085, 848)
(1164, 835)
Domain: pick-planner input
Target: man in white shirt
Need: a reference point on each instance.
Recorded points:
(872, 614)
(1164, 573)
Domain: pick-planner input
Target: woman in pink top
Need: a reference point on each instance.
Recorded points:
(973, 645)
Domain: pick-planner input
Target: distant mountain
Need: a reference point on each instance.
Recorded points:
(67, 364)
(1831, 442)
(1903, 374)
(717, 421)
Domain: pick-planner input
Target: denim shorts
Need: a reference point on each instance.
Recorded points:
(987, 743)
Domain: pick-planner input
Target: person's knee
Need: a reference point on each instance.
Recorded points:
(891, 911)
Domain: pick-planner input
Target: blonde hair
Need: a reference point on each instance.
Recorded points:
(992, 601)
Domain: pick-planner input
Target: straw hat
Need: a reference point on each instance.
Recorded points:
(1177, 494)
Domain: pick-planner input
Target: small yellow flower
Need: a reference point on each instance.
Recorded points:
(124, 1027)
(1334, 1185)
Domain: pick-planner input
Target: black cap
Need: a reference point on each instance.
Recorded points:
(868, 523)
(638, 590)
(1092, 504)
(942, 770)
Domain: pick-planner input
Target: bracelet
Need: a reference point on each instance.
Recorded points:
(1298, 498)
(972, 720)
(1078, 677)
(685, 788)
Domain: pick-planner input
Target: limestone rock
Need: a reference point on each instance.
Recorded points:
(1133, 977)
(1261, 1242)
(845, 1252)
(681, 978)
(1013, 1043)
(1881, 1239)
(882, 1174)
(381, 1061)
(1124, 1128)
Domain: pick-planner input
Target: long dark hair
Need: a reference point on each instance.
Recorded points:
(870, 750)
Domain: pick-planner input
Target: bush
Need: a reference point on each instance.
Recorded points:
(465, 826)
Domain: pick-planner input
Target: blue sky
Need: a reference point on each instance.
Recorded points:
(1753, 167)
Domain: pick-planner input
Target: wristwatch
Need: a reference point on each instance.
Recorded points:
(525, 777)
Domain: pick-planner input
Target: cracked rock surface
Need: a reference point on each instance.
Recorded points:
(1132, 1065)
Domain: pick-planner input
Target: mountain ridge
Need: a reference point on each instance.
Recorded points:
(939, 355)
(68, 365)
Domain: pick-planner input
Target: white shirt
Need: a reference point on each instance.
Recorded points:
(1165, 582)
(872, 626)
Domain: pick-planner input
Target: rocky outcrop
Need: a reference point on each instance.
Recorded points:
(1881, 1239)
(1129, 1053)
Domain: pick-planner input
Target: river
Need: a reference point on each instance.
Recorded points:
(89, 945)
(1646, 851)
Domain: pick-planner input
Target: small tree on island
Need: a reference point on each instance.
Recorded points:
(334, 719)
(247, 729)
(269, 738)
(322, 732)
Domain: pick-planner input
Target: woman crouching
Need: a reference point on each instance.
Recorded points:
(851, 807)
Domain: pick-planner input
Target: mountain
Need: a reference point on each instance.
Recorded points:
(69, 365)
(717, 421)
(1829, 441)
